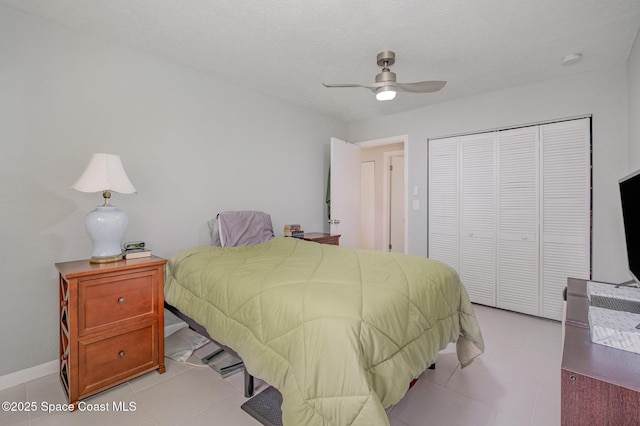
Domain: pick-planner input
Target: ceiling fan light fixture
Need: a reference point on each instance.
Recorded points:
(386, 93)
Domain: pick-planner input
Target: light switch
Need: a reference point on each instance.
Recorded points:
(416, 204)
(415, 190)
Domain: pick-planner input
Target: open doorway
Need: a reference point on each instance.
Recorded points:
(383, 210)
(367, 190)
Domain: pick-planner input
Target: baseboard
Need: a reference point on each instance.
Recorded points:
(23, 376)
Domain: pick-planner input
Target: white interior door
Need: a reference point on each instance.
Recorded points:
(566, 207)
(345, 192)
(518, 220)
(368, 206)
(478, 216)
(444, 203)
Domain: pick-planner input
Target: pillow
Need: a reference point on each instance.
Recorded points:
(180, 345)
(214, 230)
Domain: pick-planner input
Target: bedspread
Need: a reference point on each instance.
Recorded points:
(340, 332)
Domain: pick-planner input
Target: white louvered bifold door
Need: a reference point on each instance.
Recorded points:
(517, 254)
(443, 202)
(566, 221)
(478, 217)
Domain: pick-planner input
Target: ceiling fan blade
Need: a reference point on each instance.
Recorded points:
(343, 85)
(421, 86)
(371, 87)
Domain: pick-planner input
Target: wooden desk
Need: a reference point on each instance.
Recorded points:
(322, 238)
(600, 385)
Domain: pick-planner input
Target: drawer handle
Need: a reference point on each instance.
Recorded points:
(121, 354)
(122, 300)
(573, 378)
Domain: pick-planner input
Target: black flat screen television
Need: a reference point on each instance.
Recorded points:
(630, 198)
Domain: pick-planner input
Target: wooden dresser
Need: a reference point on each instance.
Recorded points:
(322, 238)
(111, 323)
(600, 385)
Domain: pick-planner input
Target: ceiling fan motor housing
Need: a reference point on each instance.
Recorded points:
(386, 59)
(386, 76)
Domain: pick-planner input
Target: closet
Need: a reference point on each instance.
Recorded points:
(510, 210)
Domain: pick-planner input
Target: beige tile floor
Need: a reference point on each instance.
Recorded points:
(516, 382)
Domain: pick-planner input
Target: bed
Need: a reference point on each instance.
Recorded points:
(339, 332)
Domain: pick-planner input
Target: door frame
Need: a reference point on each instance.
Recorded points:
(404, 139)
(386, 196)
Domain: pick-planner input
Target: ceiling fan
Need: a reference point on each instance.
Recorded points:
(386, 86)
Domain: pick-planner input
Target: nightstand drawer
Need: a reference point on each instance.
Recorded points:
(107, 301)
(113, 359)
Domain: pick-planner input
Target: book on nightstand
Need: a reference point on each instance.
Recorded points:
(293, 231)
(137, 254)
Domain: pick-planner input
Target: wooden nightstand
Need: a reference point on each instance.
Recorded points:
(111, 323)
(322, 238)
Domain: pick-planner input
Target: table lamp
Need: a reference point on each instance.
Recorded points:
(107, 224)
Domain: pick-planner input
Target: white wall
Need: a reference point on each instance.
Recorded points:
(633, 71)
(191, 145)
(600, 93)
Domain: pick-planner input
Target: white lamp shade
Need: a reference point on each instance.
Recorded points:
(104, 173)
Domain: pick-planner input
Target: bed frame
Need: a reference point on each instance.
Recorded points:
(248, 378)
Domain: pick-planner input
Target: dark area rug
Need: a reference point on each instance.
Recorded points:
(265, 407)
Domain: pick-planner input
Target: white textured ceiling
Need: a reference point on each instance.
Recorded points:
(287, 48)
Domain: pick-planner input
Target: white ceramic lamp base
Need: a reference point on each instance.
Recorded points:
(106, 226)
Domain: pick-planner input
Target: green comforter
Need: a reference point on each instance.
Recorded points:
(339, 332)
